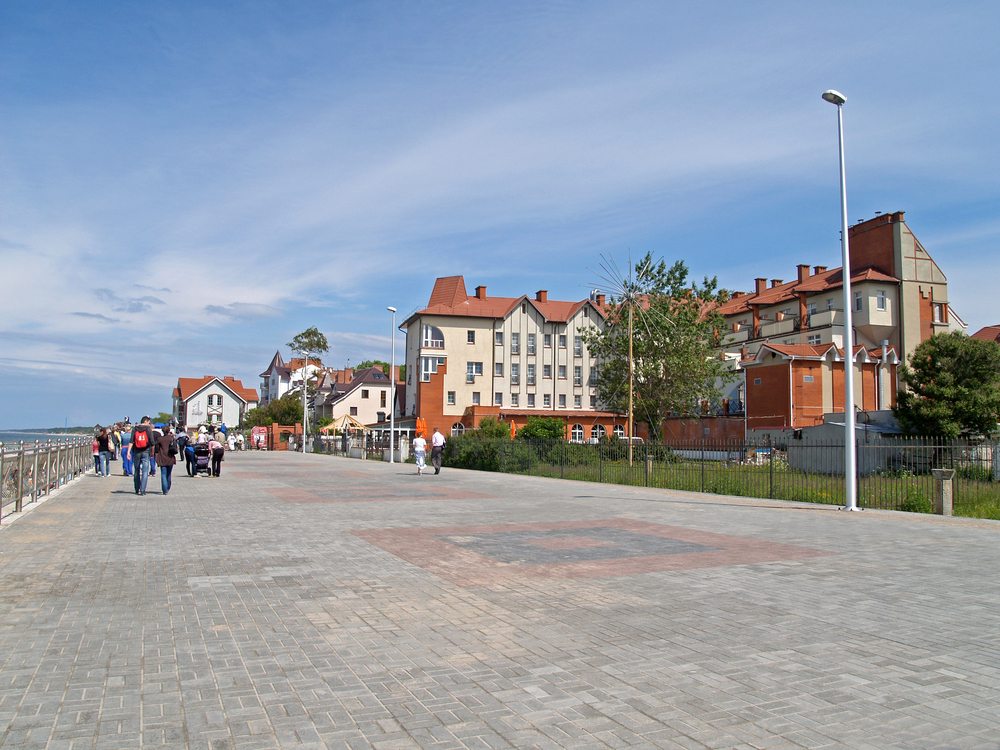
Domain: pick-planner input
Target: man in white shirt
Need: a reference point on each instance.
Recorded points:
(437, 447)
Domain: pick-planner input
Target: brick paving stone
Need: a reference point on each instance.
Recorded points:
(318, 602)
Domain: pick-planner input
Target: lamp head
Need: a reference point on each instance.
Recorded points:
(834, 97)
(391, 309)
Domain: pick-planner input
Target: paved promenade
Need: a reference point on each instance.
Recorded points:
(318, 602)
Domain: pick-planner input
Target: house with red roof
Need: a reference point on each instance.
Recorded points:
(470, 356)
(280, 378)
(989, 333)
(212, 400)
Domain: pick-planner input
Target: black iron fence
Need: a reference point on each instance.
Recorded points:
(893, 473)
(30, 470)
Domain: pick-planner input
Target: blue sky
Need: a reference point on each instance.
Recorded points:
(185, 186)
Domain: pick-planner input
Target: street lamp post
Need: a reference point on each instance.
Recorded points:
(850, 454)
(392, 386)
(305, 411)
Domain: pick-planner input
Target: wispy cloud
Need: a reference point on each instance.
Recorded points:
(245, 311)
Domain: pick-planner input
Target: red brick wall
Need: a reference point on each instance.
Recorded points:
(767, 403)
(872, 244)
(690, 429)
(807, 399)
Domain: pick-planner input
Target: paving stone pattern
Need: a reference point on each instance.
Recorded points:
(320, 602)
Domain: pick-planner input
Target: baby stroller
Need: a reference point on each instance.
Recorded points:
(202, 459)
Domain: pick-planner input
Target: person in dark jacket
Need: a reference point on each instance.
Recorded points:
(143, 442)
(104, 452)
(166, 457)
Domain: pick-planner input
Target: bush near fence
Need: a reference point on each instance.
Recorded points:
(898, 477)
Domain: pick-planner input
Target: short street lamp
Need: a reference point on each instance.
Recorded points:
(850, 454)
(392, 386)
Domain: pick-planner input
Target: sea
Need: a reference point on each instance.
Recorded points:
(15, 436)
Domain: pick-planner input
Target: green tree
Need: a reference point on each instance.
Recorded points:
(163, 417)
(308, 344)
(675, 331)
(951, 387)
(491, 428)
(286, 410)
(543, 428)
(385, 367)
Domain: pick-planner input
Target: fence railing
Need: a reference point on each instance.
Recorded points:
(30, 470)
(893, 472)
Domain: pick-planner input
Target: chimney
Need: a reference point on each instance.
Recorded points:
(600, 300)
(737, 295)
(819, 269)
(803, 271)
(542, 295)
(776, 282)
(481, 292)
(761, 285)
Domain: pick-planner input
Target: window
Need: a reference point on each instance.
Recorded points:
(562, 401)
(597, 432)
(380, 416)
(756, 381)
(592, 380)
(475, 398)
(515, 373)
(428, 367)
(593, 402)
(880, 300)
(547, 340)
(577, 402)
(515, 343)
(498, 369)
(513, 399)
(531, 400)
(618, 431)
(458, 429)
(546, 371)
(807, 379)
(811, 308)
(858, 304)
(813, 340)
(498, 399)
(432, 338)
(562, 372)
(382, 401)
(531, 343)
(577, 346)
(531, 374)
(576, 434)
(578, 375)
(498, 338)
(354, 411)
(562, 341)
(451, 398)
(546, 401)
(938, 315)
(472, 369)
(364, 393)
(470, 337)
(829, 303)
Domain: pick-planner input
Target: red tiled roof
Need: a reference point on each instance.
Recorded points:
(820, 282)
(989, 333)
(811, 351)
(450, 298)
(187, 387)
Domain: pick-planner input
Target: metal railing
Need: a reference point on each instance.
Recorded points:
(30, 470)
(894, 473)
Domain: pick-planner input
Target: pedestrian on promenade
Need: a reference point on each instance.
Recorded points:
(127, 450)
(218, 451)
(437, 448)
(143, 441)
(157, 430)
(95, 447)
(104, 452)
(166, 457)
(116, 441)
(420, 453)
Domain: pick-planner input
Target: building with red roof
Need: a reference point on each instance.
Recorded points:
(470, 356)
(212, 400)
(989, 333)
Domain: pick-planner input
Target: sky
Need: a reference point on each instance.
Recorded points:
(184, 186)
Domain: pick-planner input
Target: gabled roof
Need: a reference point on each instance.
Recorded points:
(989, 333)
(450, 298)
(818, 352)
(276, 361)
(188, 387)
(815, 284)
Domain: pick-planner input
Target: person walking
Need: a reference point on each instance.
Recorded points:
(142, 448)
(127, 450)
(420, 453)
(437, 448)
(104, 452)
(95, 447)
(218, 451)
(166, 457)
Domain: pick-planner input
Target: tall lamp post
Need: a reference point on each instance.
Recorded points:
(850, 454)
(392, 386)
(305, 411)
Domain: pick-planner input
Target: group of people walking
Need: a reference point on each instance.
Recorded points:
(145, 447)
(420, 451)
